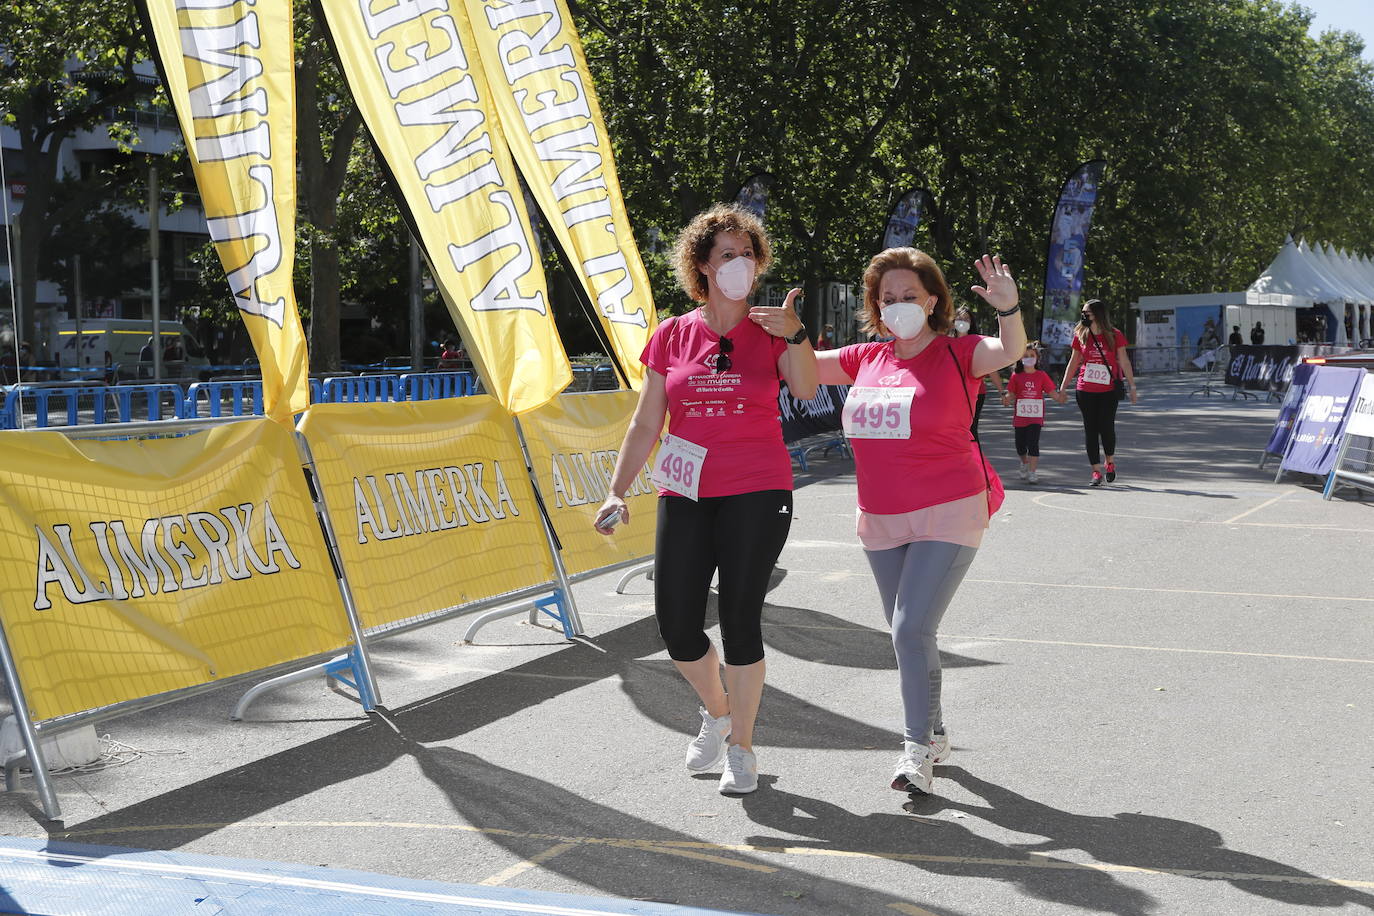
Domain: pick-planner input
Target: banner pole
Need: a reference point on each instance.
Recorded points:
(573, 618)
(368, 694)
(37, 763)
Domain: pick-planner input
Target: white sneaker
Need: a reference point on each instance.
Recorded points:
(707, 749)
(915, 769)
(1032, 478)
(939, 747)
(1024, 471)
(741, 774)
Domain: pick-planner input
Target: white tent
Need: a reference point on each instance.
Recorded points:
(1336, 268)
(1302, 271)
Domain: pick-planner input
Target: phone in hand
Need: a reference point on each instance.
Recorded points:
(610, 521)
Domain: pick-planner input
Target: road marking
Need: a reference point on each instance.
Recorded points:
(1107, 645)
(519, 868)
(1039, 501)
(673, 849)
(1036, 860)
(1179, 591)
(265, 879)
(910, 909)
(1263, 505)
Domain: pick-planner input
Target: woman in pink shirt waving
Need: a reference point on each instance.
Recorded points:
(925, 492)
(724, 474)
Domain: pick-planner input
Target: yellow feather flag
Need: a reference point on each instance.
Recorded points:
(426, 104)
(229, 70)
(544, 94)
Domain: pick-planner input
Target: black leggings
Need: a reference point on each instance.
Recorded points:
(978, 412)
(1028, 439)
(1099, 422)
(740, 535)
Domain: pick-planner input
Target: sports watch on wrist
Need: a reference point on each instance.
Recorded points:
(797, 337)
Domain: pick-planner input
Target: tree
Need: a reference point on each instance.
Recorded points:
(327, 127)
(66, 67)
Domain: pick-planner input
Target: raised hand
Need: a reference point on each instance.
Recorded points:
(781, 321)
(998, 289)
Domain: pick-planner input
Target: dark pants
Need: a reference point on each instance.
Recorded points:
(1028, 439)
(739, 535)
(1099, 422)
(978, 413)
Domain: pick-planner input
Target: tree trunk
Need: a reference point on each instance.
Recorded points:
(324, 299)
(40, 174)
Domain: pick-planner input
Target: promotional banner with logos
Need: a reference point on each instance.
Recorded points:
(1260, 368)
(552, 120)
(424, 96)
(905, 218)
(753, 194)
(1288, 410)
(229, 71)
(821, 414)
(1321, 419)
(1073, 216)
(431, 504)
(130, 569)
(574, 443)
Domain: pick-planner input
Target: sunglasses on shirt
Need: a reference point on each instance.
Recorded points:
(723, 363)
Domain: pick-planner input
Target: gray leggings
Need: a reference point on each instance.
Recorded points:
(917, 582)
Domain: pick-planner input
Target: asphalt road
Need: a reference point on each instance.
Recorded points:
(1161, 696)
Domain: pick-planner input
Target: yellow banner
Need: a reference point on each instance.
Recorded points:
(129, 569)
(431, 504)
(574, 443)
(428, 109)
(548, 107)
(230, 74)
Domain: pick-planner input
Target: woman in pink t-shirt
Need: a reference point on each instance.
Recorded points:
(925, 492)
(724, 474)
(1099, 359)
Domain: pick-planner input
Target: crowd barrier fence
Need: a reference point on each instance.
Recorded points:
(229, 579)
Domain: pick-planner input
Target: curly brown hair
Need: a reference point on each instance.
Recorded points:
(931, 277)
(694, 245)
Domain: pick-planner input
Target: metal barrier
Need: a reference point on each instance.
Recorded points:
(73, 404)
(362, 389)
(353, 668)
(431, 386)
(241, 397)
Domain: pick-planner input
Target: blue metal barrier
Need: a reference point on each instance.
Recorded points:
(64, 406)
(431, 386)
(240, 396)
(362, 389)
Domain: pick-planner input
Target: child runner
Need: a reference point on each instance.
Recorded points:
(1026, 392)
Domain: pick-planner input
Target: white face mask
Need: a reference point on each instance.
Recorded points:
(1028, 362)
(961, 326)
(904, 319)
(735, 278)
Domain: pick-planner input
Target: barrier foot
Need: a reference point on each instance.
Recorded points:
(327, 669)
(352, 665)
(500, 613)
(557, 608)
(646, 570)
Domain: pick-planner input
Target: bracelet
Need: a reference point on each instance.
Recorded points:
(1009, 312)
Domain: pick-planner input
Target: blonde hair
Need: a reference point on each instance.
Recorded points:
(694, 245)
(930, 275)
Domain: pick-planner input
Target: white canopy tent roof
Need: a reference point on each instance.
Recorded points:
(1292, 272)
(1335, 268)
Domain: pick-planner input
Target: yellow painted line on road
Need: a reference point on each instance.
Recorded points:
(1264, 505)
(519, 868)
(703, 850)
(1108, 645)
(687, 851)
(1040, 501)
(1178, 591)
(910, 909)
